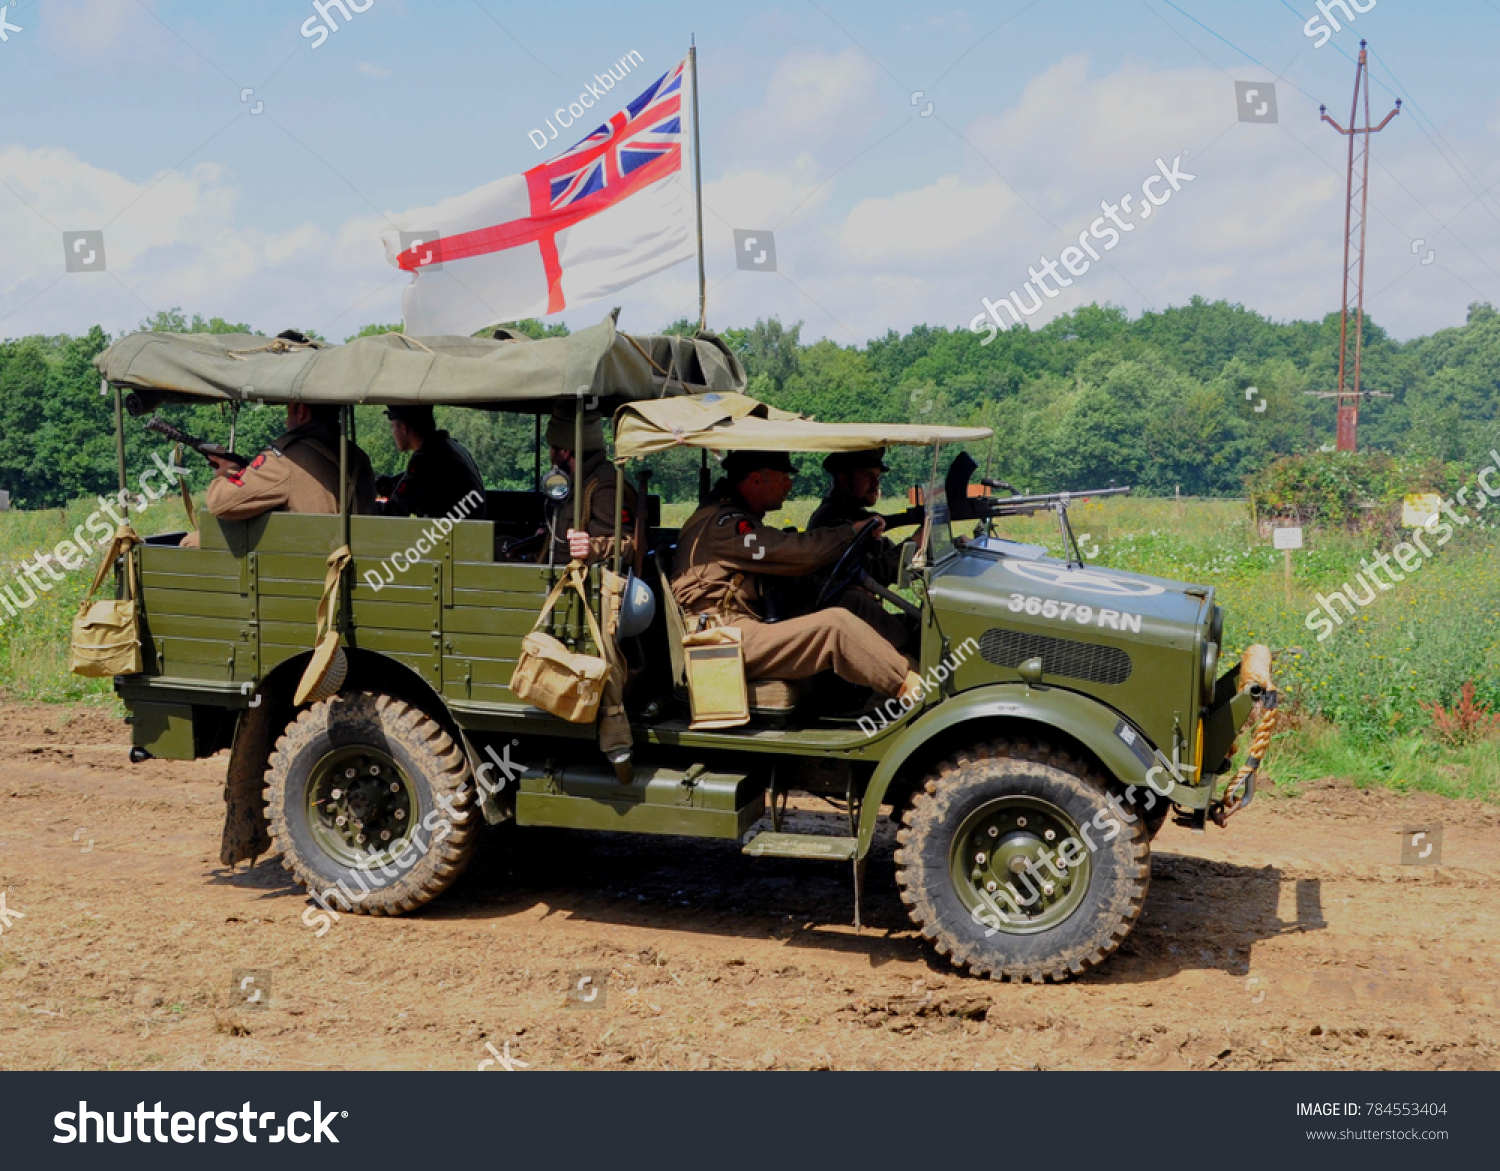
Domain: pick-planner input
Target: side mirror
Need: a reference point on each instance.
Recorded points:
(557, 486)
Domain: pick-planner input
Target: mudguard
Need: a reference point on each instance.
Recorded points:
(1120, 746)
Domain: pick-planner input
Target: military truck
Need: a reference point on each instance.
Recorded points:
(1067, 710)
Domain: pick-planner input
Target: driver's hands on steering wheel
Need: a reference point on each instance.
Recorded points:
(877, 521)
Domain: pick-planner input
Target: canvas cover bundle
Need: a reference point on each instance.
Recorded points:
(397, 369)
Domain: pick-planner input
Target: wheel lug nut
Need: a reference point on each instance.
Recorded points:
(993, 831)
(1049, 835)
(400, 815)
(991, 886)
(979, 858)
(374, 770)
(351, 773)
(1021, 821)
(385, 835)
(1047, 888)
(336, 794)
(360, 838)
(341, 820)
(395, 787)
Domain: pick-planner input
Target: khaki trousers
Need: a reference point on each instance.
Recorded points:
(830, 640)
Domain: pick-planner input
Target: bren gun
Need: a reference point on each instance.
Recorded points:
(962, 506)
(202, 446)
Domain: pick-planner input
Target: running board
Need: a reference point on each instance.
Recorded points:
(825, 846)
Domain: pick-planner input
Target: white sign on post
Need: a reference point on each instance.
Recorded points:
(1288, 537)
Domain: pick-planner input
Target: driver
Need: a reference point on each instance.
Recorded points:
(854, 491)
(724, 550)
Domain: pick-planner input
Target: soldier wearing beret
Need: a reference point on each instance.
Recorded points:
(297, 473)
(725, 549)
(439, 475)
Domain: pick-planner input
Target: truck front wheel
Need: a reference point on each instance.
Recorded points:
(371, 804)
(1019, 864)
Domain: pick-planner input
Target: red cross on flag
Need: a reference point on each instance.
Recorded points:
(608, 211)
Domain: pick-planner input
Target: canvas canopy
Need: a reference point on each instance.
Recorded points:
(394, 369)
(736, 422)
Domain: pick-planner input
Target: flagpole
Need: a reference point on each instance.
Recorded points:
(698, 182)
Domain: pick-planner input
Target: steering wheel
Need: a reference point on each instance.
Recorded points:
(850, 567)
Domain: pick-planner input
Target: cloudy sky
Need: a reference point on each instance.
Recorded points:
(910, 159)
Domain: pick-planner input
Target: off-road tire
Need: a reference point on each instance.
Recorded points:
(1119, 870)
(435, 769)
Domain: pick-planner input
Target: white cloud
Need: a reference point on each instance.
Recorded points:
(377, 71)
(817, 105)
(178, 239)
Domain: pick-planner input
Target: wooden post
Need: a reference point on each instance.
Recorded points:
(1177, 499)
(1287, 553)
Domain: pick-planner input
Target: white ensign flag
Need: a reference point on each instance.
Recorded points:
(603, 214)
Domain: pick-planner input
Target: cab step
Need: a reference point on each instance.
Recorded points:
(778, 845)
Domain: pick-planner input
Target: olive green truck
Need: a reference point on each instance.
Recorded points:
(1066, 712)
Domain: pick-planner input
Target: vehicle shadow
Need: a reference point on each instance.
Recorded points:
(1199, 913)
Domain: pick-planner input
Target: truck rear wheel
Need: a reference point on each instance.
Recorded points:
(371, 804)
(1017, 864)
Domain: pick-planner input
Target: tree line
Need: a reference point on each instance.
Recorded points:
(1196, 397)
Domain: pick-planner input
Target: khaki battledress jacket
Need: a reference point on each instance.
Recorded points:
(297, 473)
(722, 552)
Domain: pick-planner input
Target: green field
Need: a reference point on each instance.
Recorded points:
(1354, 701)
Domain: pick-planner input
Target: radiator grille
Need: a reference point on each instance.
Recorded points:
(1060, 656)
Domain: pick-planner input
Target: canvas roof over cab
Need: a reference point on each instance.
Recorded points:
(736, 422)
(392, 368)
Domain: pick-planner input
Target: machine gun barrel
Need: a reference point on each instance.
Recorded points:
(202, 446)
(999, 506)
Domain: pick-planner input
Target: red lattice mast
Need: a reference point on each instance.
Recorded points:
(1355, 207)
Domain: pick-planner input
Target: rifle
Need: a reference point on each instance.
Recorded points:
(202, 446)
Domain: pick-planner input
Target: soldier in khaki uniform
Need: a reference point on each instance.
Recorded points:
(724, 549)
(596, 542)
(297, 473)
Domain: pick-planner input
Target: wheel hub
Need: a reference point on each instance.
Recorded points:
(360, 805)
(1008, 868)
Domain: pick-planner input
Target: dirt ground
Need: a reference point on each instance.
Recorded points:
(1295, 939)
